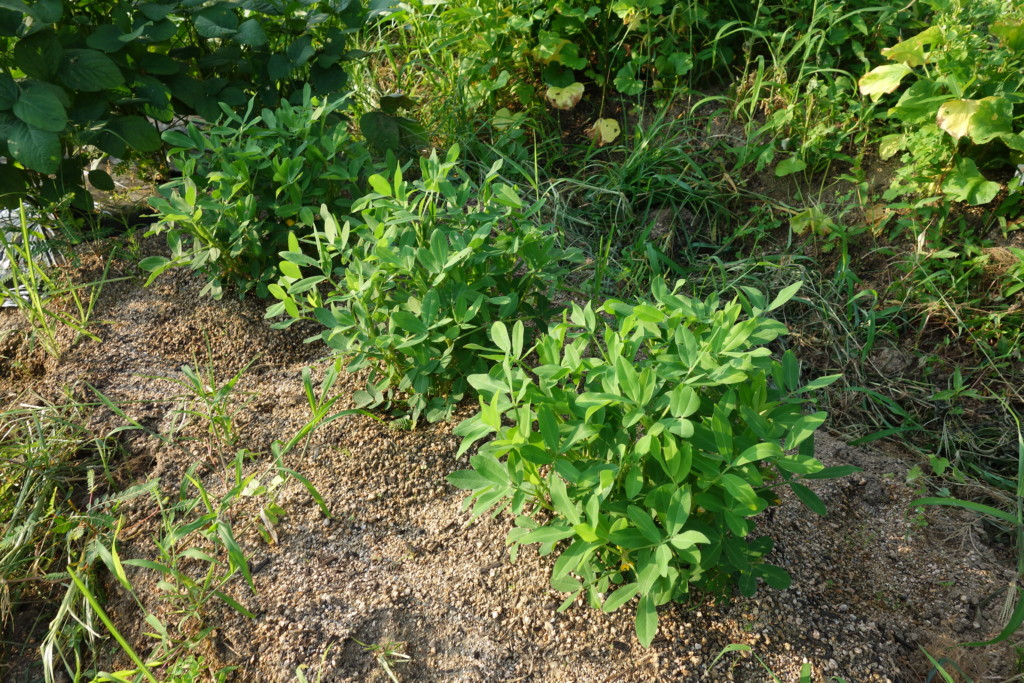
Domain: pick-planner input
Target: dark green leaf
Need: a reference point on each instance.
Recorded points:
(808, 498)
(105, 37)
(138, 133)
(8, 91)
(218, 21)
(644, 523)
(776, 577)
(40, 108)
(89, 71)
(833, 472)
(101, 180)
(36, 149)
(38, 55)
(250, 32)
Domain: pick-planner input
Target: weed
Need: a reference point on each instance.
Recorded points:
(30, 286)
(387, 654)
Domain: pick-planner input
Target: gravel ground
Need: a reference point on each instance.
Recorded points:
(874, 582)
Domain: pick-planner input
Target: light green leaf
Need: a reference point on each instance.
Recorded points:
(911, 52)
(499, 335)
(646, 620)
(620, 597)
(783, 297)
(789, 166)
(560, 499)
(882, 80)
(966, 184)
(758, 452)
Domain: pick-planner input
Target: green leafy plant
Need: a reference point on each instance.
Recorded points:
(75, 75)
(246, 182)
(640, 444)
(30, 287)
(957, 116)
(409, 285)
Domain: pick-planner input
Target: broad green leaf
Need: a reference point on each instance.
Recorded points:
(646, 620)
(758, 452)
(776, 577)
(469, 480)
(911, 52)
(688, 539)
(38, 55)
(819, 383)
(954, 117)
(966, 184)
(379, 185)
(499, 335)
(993, 119)
(798, 464)
(789, 166)
(490, 467)
(36, 149)
(138, 133)
(808, 498)
(409, 322)
(890, 145)
(644, 523)
(620, 597)
(1010, 33)
(548, 425)
(548, 534)
(603, 132)
(250, 32)
(740, 491)
(882, 80)
(803, 428)
(785, 295)
(218, 21)
(586, 532)
(560, 499)
(101, 180)
(39, 107)
(89, 71)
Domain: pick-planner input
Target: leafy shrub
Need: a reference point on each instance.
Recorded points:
(410, 284)
(646, 443)
(96, 73)
(245, 181)
(960, 105)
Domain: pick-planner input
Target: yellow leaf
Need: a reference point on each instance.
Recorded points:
(604, 131)
(954, 117)
(565, 98)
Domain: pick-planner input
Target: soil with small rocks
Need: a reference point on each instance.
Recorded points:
(874, 583)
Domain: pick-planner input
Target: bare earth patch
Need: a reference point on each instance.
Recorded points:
(873, 582)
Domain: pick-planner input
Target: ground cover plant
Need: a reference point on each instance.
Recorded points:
(660, 437)
(249, 181)
(481, 206)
